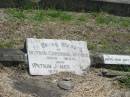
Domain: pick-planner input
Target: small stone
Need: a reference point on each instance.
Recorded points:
(66, 84)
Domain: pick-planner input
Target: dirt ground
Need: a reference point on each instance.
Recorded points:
(18, 83)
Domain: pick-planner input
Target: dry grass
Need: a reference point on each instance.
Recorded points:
(89, 85)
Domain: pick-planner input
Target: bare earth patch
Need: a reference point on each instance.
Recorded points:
(14, 83)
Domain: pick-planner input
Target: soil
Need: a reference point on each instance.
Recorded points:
(18, 83)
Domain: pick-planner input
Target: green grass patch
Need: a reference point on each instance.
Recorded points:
(59, 15)
(39, 16)
(105, 19)
(122, 68)
(101, 18)
(65, 17)
(6, 44)
(82, 18)
(125, 82)
(125, 23)
(53, 13)
(16, 13)
(92, 46)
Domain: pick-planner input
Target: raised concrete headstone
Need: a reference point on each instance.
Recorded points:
(50, 56)
(116, 59)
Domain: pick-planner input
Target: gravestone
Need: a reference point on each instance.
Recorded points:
(50, 56)
(116, 59)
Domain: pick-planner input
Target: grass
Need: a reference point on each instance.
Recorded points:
(6, 44)
(110, 44)
(57, 15)
(125, 82)
(82, 18)
(63, 16)
(17, 14)
(39, 16)
(105, 19)
(51, 15)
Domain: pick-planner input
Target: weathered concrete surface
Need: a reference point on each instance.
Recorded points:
(11, 55)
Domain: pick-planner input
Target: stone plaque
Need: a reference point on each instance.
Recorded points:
(116, 59)
(50, 56)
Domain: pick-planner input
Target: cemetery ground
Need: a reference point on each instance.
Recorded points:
(103, 32)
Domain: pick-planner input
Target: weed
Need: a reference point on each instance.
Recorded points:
(94, 14)
(6, 44)
(53, 13)
(58, 15)
(16, 13)
(65, 17)
(103, 20)
(91, 46)
(125, 23)
(125, 81)
(82, 18)
(110, 20)
(39, 16)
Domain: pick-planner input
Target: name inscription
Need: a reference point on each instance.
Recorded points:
(49, 56)
(116, 59)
